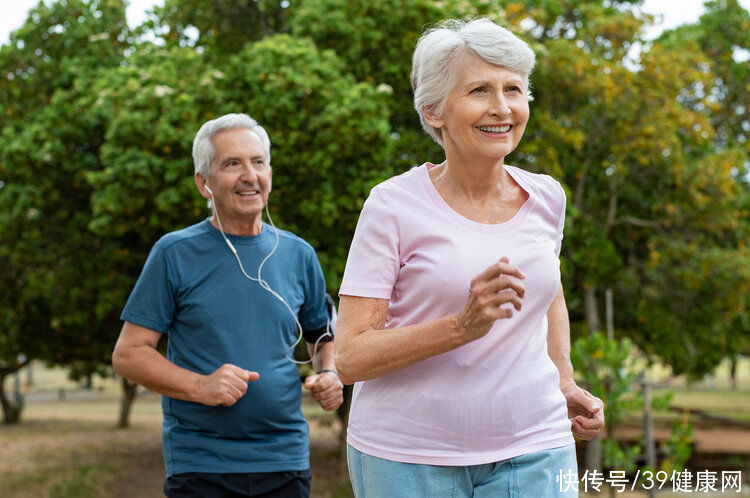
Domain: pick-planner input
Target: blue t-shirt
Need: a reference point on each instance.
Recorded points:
(191, 288)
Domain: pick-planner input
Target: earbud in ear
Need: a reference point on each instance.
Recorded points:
(209, 189)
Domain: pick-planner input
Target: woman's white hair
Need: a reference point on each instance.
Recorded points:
(432, 75)
(203, 149)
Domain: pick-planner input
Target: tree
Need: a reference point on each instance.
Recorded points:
(221, 26)
(44, 151)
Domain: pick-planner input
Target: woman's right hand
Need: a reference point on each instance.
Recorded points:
(499, 284)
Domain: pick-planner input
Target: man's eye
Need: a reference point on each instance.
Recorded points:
(479, 89)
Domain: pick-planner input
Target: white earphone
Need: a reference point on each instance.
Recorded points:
(332, 315)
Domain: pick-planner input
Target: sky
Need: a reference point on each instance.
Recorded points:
(674, 12)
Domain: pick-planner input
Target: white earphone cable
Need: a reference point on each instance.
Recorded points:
(264, 285)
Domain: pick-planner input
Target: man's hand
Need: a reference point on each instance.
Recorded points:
(225, 386)
(585, 410)
(327, 389)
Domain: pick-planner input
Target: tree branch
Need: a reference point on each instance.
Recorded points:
(6, 369)
(612, 209)
(632, 220)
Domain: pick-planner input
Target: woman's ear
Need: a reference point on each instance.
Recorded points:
(431, 118)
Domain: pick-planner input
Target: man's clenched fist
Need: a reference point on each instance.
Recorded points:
(225, 386)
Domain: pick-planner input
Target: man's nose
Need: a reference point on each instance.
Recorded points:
(249, 174)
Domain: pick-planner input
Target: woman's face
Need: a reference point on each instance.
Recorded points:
(486, 111)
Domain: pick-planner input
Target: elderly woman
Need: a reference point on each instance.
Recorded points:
(452, 318)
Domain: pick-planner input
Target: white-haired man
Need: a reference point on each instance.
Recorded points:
(231, 294)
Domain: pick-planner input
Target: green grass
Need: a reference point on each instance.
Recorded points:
(82, 480)
(69, 457)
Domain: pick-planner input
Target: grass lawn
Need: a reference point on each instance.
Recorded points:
(72, 449)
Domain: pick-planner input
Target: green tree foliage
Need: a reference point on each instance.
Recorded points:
(376, 40)
(223, 26)
(48, 310)
(722, 33)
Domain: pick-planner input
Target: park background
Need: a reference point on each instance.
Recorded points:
(648, 135)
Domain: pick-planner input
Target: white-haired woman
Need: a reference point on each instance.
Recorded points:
(452, 318)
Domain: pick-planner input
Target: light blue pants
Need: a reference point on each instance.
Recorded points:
(542, 474)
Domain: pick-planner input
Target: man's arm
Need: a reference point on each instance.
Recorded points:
(325, 386)
(136, 358)
(584, 409)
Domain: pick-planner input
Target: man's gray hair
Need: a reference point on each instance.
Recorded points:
(433, 78)
(203, 149)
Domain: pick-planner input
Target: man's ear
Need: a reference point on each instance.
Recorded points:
(200, 182)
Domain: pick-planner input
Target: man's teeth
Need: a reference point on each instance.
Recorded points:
(495, 129)
(248, 192)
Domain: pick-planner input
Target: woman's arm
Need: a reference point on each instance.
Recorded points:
(365, 350)
(585, 410)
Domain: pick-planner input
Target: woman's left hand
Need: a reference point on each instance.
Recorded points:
(586, 411)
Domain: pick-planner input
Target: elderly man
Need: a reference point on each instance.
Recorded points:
(231, 293)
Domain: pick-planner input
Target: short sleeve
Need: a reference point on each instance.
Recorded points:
(373, 263)
(151, 303)
(313, 315)
(561, 220)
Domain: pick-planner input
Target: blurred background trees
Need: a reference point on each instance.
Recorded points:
(650, 141)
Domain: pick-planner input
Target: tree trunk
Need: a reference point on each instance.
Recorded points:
(593, 447)
(593, 455)
(592, 310)
(733, 373)
(128, 396)
(11, 409)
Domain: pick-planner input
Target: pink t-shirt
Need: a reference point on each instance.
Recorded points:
(492, 399)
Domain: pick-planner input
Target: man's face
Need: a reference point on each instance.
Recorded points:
(240, 177)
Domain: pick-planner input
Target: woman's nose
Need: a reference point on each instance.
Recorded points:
(500, 106)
